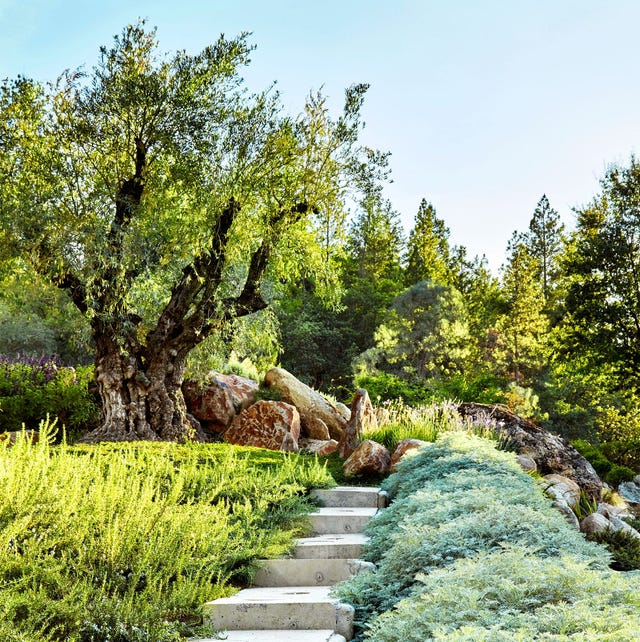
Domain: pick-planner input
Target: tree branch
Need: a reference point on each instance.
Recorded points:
(203, 275)
(76, 289)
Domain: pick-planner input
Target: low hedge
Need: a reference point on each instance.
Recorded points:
(471, 549)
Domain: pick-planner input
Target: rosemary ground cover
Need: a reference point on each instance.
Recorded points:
(125, 542)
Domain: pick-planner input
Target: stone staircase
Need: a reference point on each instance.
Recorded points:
(289, 601)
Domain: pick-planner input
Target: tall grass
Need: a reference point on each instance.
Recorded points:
(125, 542)
(407, 422)
(427, 423)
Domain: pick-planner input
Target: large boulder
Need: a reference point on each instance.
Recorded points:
(308, 402)
(266, 424)
(368, 458)
(562, 488)
(216, 401)
(403, 447)
(362, 419)
(552, 453)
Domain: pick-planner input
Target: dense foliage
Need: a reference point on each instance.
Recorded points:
(34, 388)
(471, 549)
(126, 542)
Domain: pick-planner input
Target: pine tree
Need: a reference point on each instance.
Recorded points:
(523, 324)
(375, 241)
(428, 248)
(544, 242)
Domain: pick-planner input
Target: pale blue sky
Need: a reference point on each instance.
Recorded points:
(484, 104)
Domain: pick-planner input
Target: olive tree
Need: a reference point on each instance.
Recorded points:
(160, 195)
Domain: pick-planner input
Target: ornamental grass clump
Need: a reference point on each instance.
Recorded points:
(125, 542)
(471, 549)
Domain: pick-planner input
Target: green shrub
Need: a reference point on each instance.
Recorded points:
(624, 548)
(625, 453)
(127, 541)
(514, 595)
(486, 388)
(32, 389)
(594, 455)
(619, 474)
(386, 387)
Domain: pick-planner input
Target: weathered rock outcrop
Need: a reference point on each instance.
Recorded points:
(552, 453)
(308, 402)
(267, 424)
(216, 401)
(370, 458)
(362, 419)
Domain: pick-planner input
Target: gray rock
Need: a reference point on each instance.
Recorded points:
(621, 525)
(609, 510)
(594, 524)
(630, 491)
(567, 512)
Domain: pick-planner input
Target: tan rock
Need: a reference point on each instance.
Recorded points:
(562, 488)
(308, 402)
(362, 420)
(343, 410)
(315, 428)
(266, 424)
(528, 464)
(594, 524)
(403, 447)
(318, 447)
(216, 401)
(369, 457)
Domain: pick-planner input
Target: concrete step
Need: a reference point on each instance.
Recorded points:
(277, 636)
(287, 608)
(331, 546)
(340, 520)
(351, 496)
(309, 572)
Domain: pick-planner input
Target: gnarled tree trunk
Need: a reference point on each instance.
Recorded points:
(141, 394)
